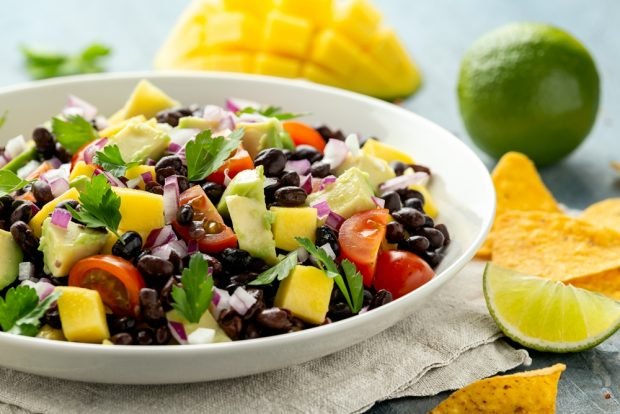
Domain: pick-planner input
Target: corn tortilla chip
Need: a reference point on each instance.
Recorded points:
(525, 392)
(554, 245)
(517, 187)
(607, 283)
(605, 213)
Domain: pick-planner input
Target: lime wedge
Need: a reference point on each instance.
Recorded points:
(548, 315)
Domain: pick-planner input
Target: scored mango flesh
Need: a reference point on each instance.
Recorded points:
(325, 41)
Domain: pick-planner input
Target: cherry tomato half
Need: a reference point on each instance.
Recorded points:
(304, 134)
(116, 279)
(360, 238)
(240, 161)
(203, 209)
(401, 272)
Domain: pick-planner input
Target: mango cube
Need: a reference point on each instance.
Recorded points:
(233, 31)
(291, 222)
(82, 315)
(37, 221)
(140, 211)
(306, 293)
(81, 168)
(319, 12)
(230, 62)
(358, 20)
(429, 204)
(335, 52)
(317, 74)
(288, 35)
(257, 7)
(277, 66)
(385, 151)
(137, 171)
(147, 100)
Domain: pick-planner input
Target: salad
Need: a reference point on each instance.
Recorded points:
(169, 224)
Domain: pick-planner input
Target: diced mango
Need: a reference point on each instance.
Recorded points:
(278, 66)
(230, 62)
(335, 52)
(286, 34)
(358, 20)
(82, 315)
(47, 332)
(317, 74)
(291, 222)
(318, 12)
(306, 293)
(37, 221)
(259, 8)
(206, 321)
(81, 168)
(429, 204)
(137, 171)
(386, 47)
(114, 128)
(233, 31)
(146, 99)
(140, 211)
(385, 152)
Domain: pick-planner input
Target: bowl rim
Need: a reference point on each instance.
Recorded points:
(276, 340)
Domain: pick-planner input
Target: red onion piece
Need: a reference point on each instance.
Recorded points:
(379, 202)
(147, 177)
(150, 161)
(26, 270)
(317, 183)
(227, 178)
(322, 208)
(78, 106)
(59, 186)
(114, 182)
(43, 289)
(301, 167)
(223, 301)
(171, 198)
(236, 104)
(201, 336)
(178, 332)
(55, 162)
(92, 149)
(305, 183)
(159, 237)
(134, 182)
(334, 220)
(404, 181)
(330, 179)
(302, 255)
(173, 147)
(241, 301)
(14, 147)
(335, 152)
(192, 247)
(61, 217)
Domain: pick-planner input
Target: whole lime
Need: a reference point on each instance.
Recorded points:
(531, 88)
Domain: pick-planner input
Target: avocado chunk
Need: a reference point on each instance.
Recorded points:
(350, 194)
(79, 182)
(248, 183)
(139, 141)
(267, 134)
(22, 159)
(197, 123)
(378, 170)
(62, 248)
(11, 257)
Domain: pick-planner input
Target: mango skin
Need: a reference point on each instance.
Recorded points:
(306, 293)
(82, 315)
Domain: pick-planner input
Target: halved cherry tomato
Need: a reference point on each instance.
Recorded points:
(205, 210)
(240, 161)
(116, 279)
(40, 170)
(304, 134)
(400, 272)
(360, 238)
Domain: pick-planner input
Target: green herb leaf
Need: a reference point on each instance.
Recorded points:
(270, 112)
(10, 182)
(194, 298)
(3, 118)
(100, 206)
(73, 133)
(355, 281)
(279, 271)
(21, 311)
(205, 154)
(111, 160)
(44, 64)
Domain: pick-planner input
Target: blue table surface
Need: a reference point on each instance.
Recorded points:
(437, 33)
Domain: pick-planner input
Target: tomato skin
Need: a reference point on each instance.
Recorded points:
(360, 239)
(116, 270)
(210, 243)
(240, 161)
(79, 155)
(304, 134)
(401, 272)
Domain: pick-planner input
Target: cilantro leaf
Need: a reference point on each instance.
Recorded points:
(111, 160)
(100, 206)
(270, 112)
(44, 64)
(355, 281)
(279, 271)
(74, 132)
(3, 118)
(193, 299)
(21, 311)
(10, 182)
(205, 154)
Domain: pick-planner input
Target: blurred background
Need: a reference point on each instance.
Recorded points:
(437, 33)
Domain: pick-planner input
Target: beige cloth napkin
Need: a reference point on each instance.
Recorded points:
(449, 343)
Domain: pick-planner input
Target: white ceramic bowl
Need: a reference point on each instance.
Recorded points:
(461, 187)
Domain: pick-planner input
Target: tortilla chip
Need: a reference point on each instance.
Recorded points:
(607, 283)
(525, 392)
(553, 245)
(518, 187)
(605, 213)
(486, 250)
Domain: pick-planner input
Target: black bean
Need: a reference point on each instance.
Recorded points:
(169, 161)
(434, 236)
(25, 238)
(417, 244)
(144, 337)
(252, 331)
(274, 318)
(257, 265)
(121, 339)
(154, 187)
(290, 196)
(213, 263)
(122, 324)
(339, 311)
(235, 260)
(155, 267)
(128, 246)
(367, 297)
(320, 169)
(164, 173)
(185, 214)
(52, 318)
(381, 298)
(151, 308)
(44, 142)
(306, 152)
(409, 217)
(162, 335)
(258, 306)
(415, 203)
(183, 183)
(231, 323)
(289, 178)
(428, 221)
(62, 154)
(420, 168)
(399, 167)
(327, 133)
(165, 293)
(407, 193)
(213, 191)
(270, 191)
(392, 201)
(42, 192)
(394, 232)
(444, 230)
(22, 213)
(6, 203)
(272, 160)
(433, 258)
(328, 235)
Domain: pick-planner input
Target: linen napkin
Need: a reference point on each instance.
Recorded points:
(450, 342)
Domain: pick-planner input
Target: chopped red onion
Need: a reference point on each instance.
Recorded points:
(28, 169)
(322, 208)
(302, 255)
(379, 202)
(59, 186)
(227, 178)
(334, 220)
(171, 198)
(236, 104)
(26, 270)
(179, 247)
(52, 175)
(328, 249)
(92, 149)
(55, 162)
(43, 289)
(181, 136)
(301, 167)
(159, 237)
(177, 329)
(241, 301)
(150, 161)
(147, 177)
(335, 152)
(173, 147)
(330, 179)
(251, 118)
(34, 208)
(134, 182)
(404, 181)
(61, 217)
(201, 336)
(78, 106)
(14, 147)
(317, 183)
(192, 247)
(353, 144)
(305, 183)
(114, 181)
